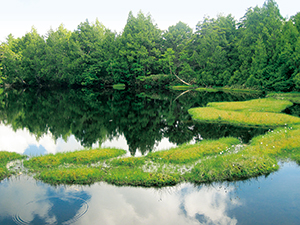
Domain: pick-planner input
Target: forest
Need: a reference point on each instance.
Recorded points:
(260, 51)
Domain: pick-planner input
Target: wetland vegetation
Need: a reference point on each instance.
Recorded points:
(233, 153)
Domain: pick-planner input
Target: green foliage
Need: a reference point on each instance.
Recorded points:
(261, 51)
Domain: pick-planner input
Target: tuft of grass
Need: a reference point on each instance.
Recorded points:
(189, 153)
(75, 158)
(182, 87)
(80, 175)
(255, 105)
(293, 97)
(6, 157)
(232, 167)
(137, 177)
(119, 86)
(263, 119)
(128, 162)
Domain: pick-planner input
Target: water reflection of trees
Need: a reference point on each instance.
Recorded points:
(143, 118)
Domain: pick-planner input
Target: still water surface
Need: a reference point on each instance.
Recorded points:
(37, 122)
(265, 200)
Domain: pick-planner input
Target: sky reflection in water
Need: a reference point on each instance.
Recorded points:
(266, 200)
(23, 142)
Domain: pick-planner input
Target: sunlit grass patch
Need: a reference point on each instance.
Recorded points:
(128, 162)
(81, 175)
(231, 167)
(207, 89)
(77, 157)
(119, 86)
(265, 119)
(293, 97)
(255, 105)
(189, 153)
(280, 143)
(137, 177)
(182, 88)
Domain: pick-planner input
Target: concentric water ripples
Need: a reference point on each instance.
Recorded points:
(52, 210)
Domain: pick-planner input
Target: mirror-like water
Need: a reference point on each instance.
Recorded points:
(265, 200)
(36, 122)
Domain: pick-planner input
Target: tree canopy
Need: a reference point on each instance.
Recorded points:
(261, 50)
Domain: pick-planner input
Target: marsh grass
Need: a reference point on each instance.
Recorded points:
(81, 175)
(293, 97)
(232, 167)
(255, 119)
(190, 153)
(119, 86)
(255, 105)
(77, 157)
(6, 157)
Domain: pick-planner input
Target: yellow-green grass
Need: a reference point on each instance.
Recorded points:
(209, 161)
(263, 119)
(232, 167)
(293, 97)
(6, 157)
(182, 88)
(119, 86)
(228, 90)
(77, 157)
(81, 175)
(189, 153)
(280, 143)
(207, 89)
(255, 105)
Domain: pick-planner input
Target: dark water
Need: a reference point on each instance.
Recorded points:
(265, 200)
(65, 120)
(37, 122)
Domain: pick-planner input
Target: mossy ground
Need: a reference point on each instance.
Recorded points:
(206, 161)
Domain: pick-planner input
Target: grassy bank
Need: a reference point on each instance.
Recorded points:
(258, 112)
(6, 157)
(207, 161)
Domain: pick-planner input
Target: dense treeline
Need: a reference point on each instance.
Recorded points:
(261, 50)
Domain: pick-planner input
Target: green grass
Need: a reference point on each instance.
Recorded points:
(258, 112)
(252, 119)
(207, 161)
(6, 157)
(75, 158)
(255, 105)
(119, 86)
(293, 97)
(228, 90)
(190, 153)
(182, 87)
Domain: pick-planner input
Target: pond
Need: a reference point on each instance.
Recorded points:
(36, 122)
